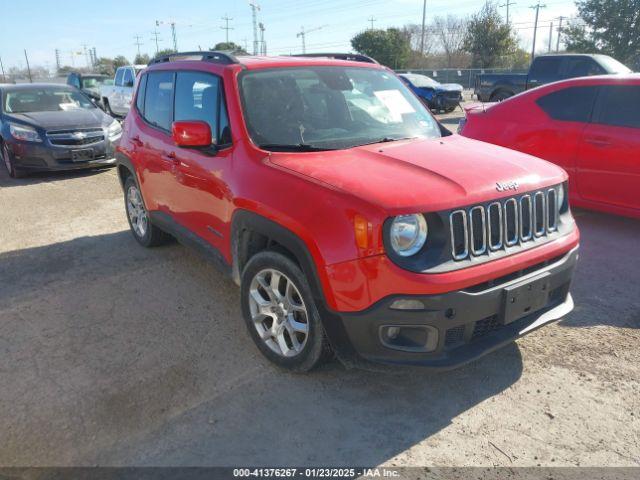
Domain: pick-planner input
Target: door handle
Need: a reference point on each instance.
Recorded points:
(598, 142)
(137, 142)
(171, 157)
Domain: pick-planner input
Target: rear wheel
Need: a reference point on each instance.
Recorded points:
(147, 234)
(500, 95)
(281, 314)
(7, 160)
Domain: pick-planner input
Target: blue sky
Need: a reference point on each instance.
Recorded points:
(41, 26)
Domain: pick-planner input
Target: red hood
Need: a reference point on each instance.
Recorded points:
(426, 174)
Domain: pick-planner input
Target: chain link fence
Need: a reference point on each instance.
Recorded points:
(463, 76)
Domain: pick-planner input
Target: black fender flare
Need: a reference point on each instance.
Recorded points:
(122, 161)
(245, 221)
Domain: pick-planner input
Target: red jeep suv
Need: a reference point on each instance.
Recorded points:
(354, 223)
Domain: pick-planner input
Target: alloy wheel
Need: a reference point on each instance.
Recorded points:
(278, 312)
(137, 212)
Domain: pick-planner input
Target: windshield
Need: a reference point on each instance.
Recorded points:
(93, 82)
(421, 80)
(44, 99)
(330, 108)
(611, 65)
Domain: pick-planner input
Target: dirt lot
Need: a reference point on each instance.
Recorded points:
(117, 355)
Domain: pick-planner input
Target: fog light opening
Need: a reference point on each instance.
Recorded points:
(409, 338)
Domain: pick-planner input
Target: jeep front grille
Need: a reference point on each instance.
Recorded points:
(479, 230)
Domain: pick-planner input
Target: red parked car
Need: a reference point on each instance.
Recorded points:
(589, 126)
(353, 222)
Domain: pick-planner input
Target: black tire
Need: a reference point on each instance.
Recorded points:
(315, 349)
(7, 161)
(151, 236)
(500, 95)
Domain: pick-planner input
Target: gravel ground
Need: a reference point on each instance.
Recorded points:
(117, 355)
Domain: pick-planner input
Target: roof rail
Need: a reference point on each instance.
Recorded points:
(224, 58)
(352, 57)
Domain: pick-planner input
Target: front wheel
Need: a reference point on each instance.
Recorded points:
(281, 314)
(7, 159)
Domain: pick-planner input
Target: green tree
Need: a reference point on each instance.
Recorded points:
(488, 39)
(609, 26)
(120, 61)
(390, 47)
(166, 51)
(104, 65)
(229, 47)
(141, 59)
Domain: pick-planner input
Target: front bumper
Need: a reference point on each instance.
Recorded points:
(461, 326)
(35, 157)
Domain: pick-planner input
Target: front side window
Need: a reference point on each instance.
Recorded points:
(621, 106)
(573, 104)
(45, 99)
(197, 98)
(158, 99)
(330, 108)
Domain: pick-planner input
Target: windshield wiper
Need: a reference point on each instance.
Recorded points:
(289, 147)
(385, 140)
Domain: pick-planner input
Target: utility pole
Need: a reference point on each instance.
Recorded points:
(226, 27)
(138, 43)
(507, 4)
(155, 34)
(550, 36)
(371, 19)
(263, 45)
(535, 28)
(424, 16)
(303, 34)
(26, 57)
(86, 54)
(175, 37)
(560, 18)
(254, 14)
(2, 69)
(57, 61)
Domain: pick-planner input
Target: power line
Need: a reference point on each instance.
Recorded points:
(226, 28)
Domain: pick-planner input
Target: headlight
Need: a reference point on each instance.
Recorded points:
(114, 130)
(560, 197)
(24, 133)
(408, 234)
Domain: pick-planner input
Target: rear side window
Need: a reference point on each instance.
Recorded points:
(119, 75)
(620, 106)
(583, 67)
(546, 66)
(128, 77)
(158, 99)
(199, 97)
(573, 104)
(142, 87)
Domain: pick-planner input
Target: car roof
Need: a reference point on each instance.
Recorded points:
(254, 62)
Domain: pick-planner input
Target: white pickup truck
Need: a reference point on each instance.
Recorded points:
(116, 98)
